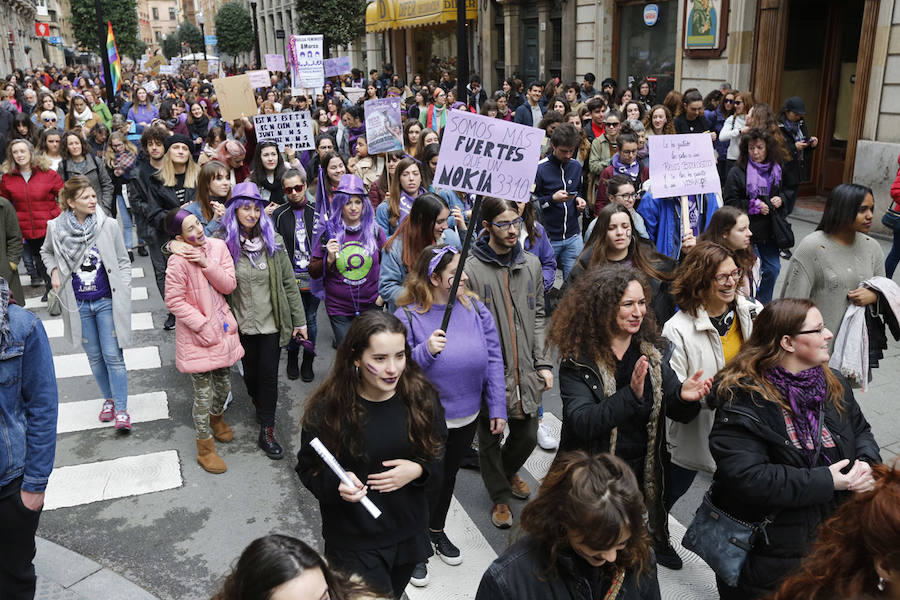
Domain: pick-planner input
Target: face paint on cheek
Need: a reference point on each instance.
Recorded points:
(371, 369)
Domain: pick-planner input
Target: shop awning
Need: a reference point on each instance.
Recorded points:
(404, 14)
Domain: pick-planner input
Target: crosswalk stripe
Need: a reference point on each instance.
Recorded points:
(136, 273)
(117, 478)
(137, 293)
(136, 359)
(82, 415)
(139, 322)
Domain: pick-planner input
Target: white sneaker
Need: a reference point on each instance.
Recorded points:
(545, 439)
(420, 575)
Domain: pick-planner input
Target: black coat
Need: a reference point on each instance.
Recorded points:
(516, 575)
(286, 225)
(160, 200)
(759, 470)
(138, 194)
(735, 194)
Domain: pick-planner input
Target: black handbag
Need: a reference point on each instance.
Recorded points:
(723, 541)
(891, 220)
(781, 230)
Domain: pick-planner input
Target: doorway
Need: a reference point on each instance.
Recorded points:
(530, 54)
(820, 60)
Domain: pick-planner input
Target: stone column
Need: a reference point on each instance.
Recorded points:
(511, 30)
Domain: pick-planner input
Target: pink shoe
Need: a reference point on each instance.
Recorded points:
(123, 421)
(108, 412)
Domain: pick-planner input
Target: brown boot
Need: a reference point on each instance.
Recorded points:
(221, 431)
(207, 457)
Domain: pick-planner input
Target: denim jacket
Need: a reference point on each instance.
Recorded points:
(28, 403)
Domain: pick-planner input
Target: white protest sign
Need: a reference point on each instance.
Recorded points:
(288, 130)
(275, 62)
(384, 126)
(489, 157)
(681, 165)
(307, 57)
(150, 86)
(167, 70)
(337, 66)
(259, 79)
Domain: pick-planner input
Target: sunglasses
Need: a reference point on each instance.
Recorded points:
(50, 120)
(295, 189)
(608, 124)
(729, 101)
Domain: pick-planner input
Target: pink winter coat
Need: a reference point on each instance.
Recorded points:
(206, 332)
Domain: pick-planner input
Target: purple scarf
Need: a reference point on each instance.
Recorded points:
(762, 178)
(633, 171)
(805, 393)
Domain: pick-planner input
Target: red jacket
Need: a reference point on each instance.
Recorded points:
(895, 189)
(35, 202)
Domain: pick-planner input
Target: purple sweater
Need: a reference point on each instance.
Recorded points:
(470, 363)
(544, 251)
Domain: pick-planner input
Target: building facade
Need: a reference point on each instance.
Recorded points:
(164, 19)
(17, 18)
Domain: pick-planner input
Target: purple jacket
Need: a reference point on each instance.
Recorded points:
(544, 251)
(142, 114)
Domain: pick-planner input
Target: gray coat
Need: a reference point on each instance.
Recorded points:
(111, 245)
(98, 176)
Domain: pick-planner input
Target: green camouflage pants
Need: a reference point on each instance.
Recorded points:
(211, 389)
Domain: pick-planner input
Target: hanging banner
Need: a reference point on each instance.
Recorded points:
(307, 70)
(681, 165)
(288, 130)
(337, 66)
(489, 157)
(275, 62)
(384, 126)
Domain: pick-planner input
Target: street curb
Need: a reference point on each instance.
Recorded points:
(67, 575)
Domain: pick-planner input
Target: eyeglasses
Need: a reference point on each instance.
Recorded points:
(50, 120)
(612, 124)
(295, 189)
(736, 102)
(722, 278)
(818, 330)
(505, 225)
(631, 196)
(729, 101)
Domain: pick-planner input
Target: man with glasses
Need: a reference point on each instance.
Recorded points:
(510, 281)
(557, 189)
(294, 221)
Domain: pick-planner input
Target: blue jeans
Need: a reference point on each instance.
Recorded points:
(310, 307)
(893, 257)
(339, 326)
(567, 252)
(98, 338)
(127, 224)
(771, 265)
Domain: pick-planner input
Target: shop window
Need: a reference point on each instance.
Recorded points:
(647, 51)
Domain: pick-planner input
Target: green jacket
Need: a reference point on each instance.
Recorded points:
(10, 250)
(601, 155)
(103, 111)
(288, 307)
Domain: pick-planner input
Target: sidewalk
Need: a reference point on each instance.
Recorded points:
(66, 575)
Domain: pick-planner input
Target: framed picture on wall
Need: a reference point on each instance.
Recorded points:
(705, 28)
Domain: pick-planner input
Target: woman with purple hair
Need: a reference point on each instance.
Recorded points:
(348, 257)
(266, 302)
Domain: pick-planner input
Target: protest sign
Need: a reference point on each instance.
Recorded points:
(203, 66)
(259, 78)
(337, 66)
(489, 157)
(288, 130)
(167, 70)
(306, 61)
(235, 97)
(151, 86)
(156, 61)
(384, 127)
(275, 62)
(175, 62)
(354, 94)
(681, 165)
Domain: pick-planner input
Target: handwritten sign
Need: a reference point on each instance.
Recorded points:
(203, 66)
(384, 127)
(259, 78)
(167, 70)
(681, 165)
(151, 86)
(275, 62)
(486, 156)
(156, 61)
(235, 97)
(288, 130)
(337, 66)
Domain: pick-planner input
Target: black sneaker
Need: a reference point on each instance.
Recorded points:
(668, 558)
(444, 548)
(470, 460)
(142, 251)
(786, 254)
(268, 443)
(420, 575)
(170, 322)
(306, 370)
(131, 255)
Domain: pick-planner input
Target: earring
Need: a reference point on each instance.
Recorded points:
(357, 369)
(880, 584)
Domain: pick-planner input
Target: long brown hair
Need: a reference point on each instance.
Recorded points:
(394, 199)
(720, 225)
(417, 289)
(668, 128)
(208, 172)
(746, 371)
(695, 274)
(596, 497)
(862, 532)
(417, 230)
(585, 319)
(337, 417)
(639, 254)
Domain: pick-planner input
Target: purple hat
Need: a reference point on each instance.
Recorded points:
(246, 190)
(350, 185)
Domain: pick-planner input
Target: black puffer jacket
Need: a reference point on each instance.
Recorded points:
(759, 470)
(516, 575)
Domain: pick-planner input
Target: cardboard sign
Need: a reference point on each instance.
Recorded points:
(156, 61)
(235, 97)
(489, 157)
(275, 62)
(337, 66)
(306, 61)
(384, 126)
(203, 66)
(259, 79)
(288, 130)
(683, 164)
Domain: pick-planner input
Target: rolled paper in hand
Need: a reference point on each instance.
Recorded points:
(338, 470)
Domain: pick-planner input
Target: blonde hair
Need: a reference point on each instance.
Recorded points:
(38, 161)
(72, 189)
(166, 172)
(110, 154)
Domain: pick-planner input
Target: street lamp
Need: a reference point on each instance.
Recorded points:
(202, 21)
(256, 34)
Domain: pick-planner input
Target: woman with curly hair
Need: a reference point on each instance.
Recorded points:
(585, 537)
(381, 418)
(616, 383)
(278, 566)
(857, 554)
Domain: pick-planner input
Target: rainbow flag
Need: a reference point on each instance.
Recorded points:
(115, 65)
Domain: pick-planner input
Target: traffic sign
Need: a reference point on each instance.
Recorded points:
(211, 40)
(42, 29)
